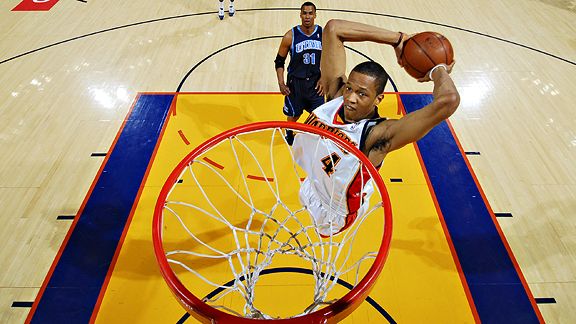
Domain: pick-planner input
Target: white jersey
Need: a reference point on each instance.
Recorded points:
(335, 191)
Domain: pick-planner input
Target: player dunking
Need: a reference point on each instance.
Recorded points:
(336, 190)
(304, 43)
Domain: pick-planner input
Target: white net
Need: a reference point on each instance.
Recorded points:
(239, 229)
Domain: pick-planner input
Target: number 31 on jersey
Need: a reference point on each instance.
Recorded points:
(310, 58)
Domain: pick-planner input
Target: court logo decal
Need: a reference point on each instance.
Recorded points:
(35, 5)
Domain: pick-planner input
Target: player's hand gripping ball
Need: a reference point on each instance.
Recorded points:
(425, 50)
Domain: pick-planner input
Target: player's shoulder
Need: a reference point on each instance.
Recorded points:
(381, 126)
(289, 33)
(330, 105)
(334, 102)
(383, 122)
(287, 38)
(338, 100)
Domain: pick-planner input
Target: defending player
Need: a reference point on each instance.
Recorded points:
(336, 190)
(304, 43)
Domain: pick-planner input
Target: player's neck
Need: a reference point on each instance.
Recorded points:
(372, 115)
(307, 30)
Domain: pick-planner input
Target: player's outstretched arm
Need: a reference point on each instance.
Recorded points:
(394, 134)
(334, 34)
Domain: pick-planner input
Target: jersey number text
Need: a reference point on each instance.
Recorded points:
(329, 162)
(310, 58)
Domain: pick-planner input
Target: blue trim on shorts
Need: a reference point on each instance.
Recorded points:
(291, 109)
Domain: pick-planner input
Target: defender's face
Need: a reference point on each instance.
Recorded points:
(360, 97)
(308, 14)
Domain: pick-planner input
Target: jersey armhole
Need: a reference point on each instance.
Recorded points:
(367, 130)
(292, 45)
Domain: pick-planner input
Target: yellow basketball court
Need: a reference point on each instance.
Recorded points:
(420, 281)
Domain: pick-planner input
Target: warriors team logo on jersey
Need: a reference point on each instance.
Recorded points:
(313, 120)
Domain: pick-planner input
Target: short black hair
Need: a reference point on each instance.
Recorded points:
(374, 70)
(307, 3)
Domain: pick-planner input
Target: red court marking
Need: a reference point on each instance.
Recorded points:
(497, 225)
(444, 227)
(76, 219)
(219, 166)
(173, 106)
(233, 92)
(409, 92)
(183, 137)
(35, 5)
(260, 178)
(254, 92)
(212, 93)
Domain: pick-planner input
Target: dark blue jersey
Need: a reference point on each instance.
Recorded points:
(305, 53)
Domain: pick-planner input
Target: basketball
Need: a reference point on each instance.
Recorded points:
(424, 51)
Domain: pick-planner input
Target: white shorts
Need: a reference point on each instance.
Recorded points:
(328, 221)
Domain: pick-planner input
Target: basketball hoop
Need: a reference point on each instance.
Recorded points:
(228, 218)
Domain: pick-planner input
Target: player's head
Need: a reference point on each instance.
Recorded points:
(308, 14)
(364, 90)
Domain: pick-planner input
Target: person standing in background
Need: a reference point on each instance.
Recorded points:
(304, 43)
(231, 9)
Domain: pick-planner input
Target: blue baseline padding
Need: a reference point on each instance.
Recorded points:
(73, 288)
(495, 285)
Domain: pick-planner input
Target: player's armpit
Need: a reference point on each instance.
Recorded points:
(377, 142)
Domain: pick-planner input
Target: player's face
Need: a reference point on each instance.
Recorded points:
(360, 97)
(308, 14)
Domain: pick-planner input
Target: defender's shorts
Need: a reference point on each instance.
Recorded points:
(303, 95)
